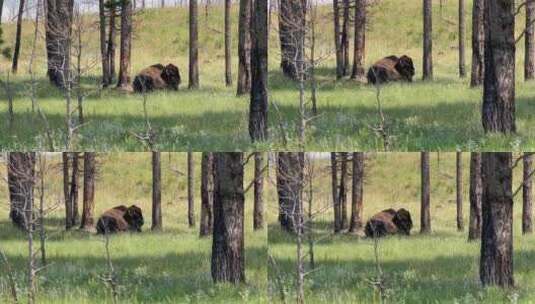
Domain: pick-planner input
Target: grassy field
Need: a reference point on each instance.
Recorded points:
(439, 115)
(438, 268)
(172, 266)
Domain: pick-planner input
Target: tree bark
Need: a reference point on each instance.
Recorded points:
(478, 42)
(359, 49)
(21, 180)
(462, 31)
(16, 51)
(228, 59)
(66, 190)
(191, 205)
(425, 215)
(527, 195)
(258, 111)
(58, 36)
(428, 40)
(126, 45)
(498, 113)
(73, 191)
(529, 40)
(156, 192)
(337, 41)
(245, 27)
(105, 61)
(345, 38)
(292, 25)
(207, 192)
(228, 257)
(357, 192)
(496, 263)
(459, 188)
(342, 195)
(289, 188)
(90, 167)
(111, 43)
(476, 189)
(258, 217)
(193, 46)
(334, 188)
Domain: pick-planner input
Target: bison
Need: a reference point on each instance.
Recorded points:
(389, 221)
(156, 77)
(119, 219)
(391, 68)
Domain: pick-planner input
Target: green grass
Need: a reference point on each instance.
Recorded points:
(438, 268)
(439, 115)
(172, 266)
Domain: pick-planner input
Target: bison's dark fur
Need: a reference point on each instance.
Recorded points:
(389, 221)
(391, 68)
(156, 77)
(119, 219)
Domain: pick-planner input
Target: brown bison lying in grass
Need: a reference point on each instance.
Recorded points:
(391, 68)
(119, 219)
(157, 77)
(389, 221)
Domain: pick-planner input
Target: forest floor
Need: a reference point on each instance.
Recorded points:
(440, 115)
(172, 266)
(442, 267)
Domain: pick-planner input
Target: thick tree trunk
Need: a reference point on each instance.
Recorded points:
(228, 59)
(105, 61)
(126, 45)
(342, 195)
(425, 215)
(428, 40)
(359, 49)
(292, 23)
(156, 192)
(258, 111)
(462, 31)
(73, 191)
(245, 27)
(111, 44)
(476, 189)
(337, 41)
(527, 195)
(529, 40)
(345, 38)
(21, 181)
(59, 15)
(16, 51)
(258, 214)
(193, 46)
(228, 256)
(289, 188)
(207, 190)
(496, 263)
(337, 212)
(498, 113)
(357, 192)
(478, 42)
(191, 203)
(459, 188)
(90, 168)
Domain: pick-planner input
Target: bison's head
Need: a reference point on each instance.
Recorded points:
(405, 67)
(171, 76)
(403, 221)
(134, 217)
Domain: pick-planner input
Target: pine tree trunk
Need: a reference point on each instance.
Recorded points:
(496, 263)
(191, 205)
(105, 61)
(292, 24)
(193, 46)
(357, 192)
(498, 113)
(425, 215)
(21, 180)
(529, 40)
(126, 45)
(228, 59)
(73, 191)
(111, 44)
(258, 218)
(359, 49)
(476, 189)
(337, 41)
(527, 195)
(228, 256)
(88, 221)
(478, 42)
(156, 192)
(428, 40)
(258, 111)
(462, 31)
(459, 188)
(345, 38)
(207, 189)
(16, 51)
(342, 195)
(289, 187)
(334, 188)
(58, 35)
(66, 190)
(245, 27)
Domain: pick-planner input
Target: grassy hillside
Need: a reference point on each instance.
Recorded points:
(438, 268)
(172, 266)
(439, 115)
